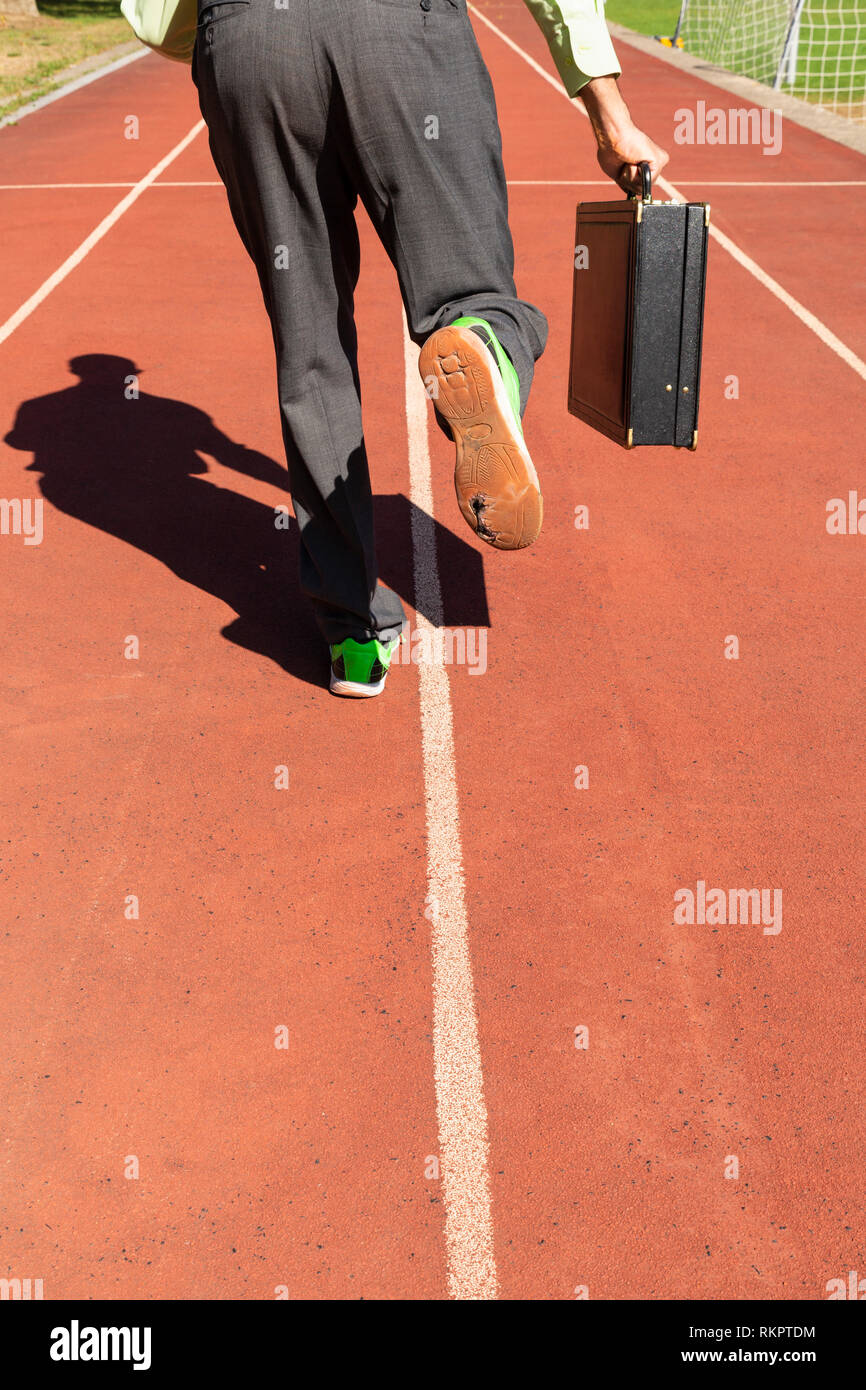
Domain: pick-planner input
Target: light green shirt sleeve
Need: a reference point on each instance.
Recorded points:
(577, 37)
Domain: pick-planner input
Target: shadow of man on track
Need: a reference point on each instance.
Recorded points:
(132, 467)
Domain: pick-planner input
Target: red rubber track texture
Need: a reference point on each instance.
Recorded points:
(305, 908)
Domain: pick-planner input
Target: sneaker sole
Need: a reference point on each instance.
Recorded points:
(495, 480)
(356, 690)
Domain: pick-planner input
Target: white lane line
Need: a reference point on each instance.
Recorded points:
(461, 1111)
(95, 236)
(542, 72)
(15, 116)
(512, 183)
(818, 327)
(773, 183)
(811, 321)
(694, 183)
(6, 186)
(128, 183)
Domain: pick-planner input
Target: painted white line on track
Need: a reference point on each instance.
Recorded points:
(696, 183)
(15, 116)
(95, 236)
(127, 183)
(6, 187)
(461, 1111)
(512, 183)
(557, 183)
(811, 321)
(772, 183)
(806, 317)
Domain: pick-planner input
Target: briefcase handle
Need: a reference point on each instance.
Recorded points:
(646, 182)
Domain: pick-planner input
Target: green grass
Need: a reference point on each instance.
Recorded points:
(841, 65)
(33, 52)
(644, 16)
(842, 60)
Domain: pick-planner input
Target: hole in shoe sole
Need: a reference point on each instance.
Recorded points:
(478, 504)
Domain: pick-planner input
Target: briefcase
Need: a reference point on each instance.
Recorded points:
(637, 318)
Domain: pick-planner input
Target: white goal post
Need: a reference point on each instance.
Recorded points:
(813, 49)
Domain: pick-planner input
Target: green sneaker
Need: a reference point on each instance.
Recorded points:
(476, 391)
(359, 669)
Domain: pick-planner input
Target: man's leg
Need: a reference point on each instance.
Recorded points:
(267, 107)
(425, 151)
(427, 158)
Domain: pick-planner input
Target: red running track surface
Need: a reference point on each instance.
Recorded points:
(153, 1037)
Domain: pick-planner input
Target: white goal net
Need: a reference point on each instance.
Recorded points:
(814, 49)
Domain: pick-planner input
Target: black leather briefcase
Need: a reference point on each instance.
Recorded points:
(637, 318)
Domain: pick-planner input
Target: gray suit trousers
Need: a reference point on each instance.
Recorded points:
(311, 104)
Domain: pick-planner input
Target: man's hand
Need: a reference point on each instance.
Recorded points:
(629, 147)
(619, 140)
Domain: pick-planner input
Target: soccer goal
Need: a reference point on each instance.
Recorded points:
(814, 49)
